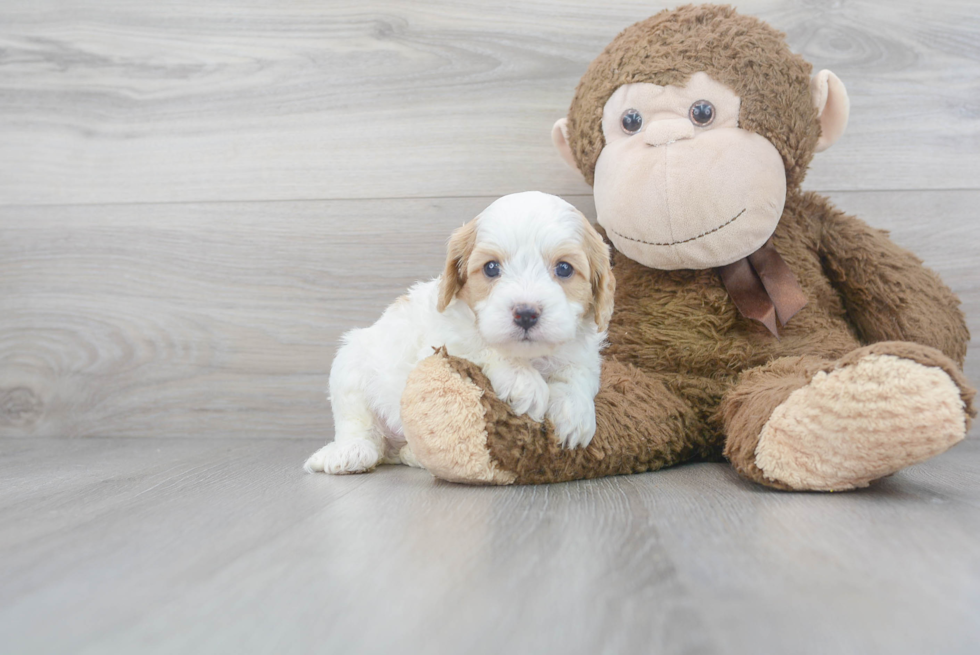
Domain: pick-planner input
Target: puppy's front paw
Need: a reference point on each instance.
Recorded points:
(341, 457)
(524, 390)
(573, 415)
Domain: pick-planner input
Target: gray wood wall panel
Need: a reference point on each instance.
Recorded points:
(106, 102)
(221, 319)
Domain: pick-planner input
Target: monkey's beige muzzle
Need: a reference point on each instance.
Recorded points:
(690, 199)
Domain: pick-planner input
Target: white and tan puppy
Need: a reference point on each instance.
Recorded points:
(527, 294)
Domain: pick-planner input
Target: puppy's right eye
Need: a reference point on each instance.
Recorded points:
(564, 269)
(491, 269)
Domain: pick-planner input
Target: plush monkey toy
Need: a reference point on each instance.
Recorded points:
(752, 320)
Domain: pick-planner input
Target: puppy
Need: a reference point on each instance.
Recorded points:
(526, 294)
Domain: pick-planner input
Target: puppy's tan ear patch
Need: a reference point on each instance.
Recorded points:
(461, 244)
(600, 275)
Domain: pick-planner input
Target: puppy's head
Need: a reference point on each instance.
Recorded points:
(533, 270)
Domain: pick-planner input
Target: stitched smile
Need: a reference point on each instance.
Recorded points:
(677, 243)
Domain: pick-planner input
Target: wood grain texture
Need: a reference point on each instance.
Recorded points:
(221, 319)
(108, 102)
(166, 546)
(198, 198)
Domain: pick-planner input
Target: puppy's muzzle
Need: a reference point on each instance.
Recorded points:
(525, 316)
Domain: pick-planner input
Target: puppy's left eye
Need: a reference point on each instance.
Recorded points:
(491, 269)
(564, 269)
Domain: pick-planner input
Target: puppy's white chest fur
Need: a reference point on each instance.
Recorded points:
(379, 358)
(375, 361)
(526, 295)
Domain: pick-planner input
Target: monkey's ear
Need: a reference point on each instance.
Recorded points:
(833, 107)
(457, 254)
(559, 136)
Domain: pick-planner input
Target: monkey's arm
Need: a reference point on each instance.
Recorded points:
(460, 431)
(888, 294)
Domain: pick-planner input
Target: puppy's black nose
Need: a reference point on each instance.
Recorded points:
(525, 316)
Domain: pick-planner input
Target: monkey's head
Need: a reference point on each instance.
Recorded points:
(691, 126)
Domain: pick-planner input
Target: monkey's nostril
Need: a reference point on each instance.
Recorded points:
(525, 317)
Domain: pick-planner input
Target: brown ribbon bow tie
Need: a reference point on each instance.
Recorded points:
(763, 287)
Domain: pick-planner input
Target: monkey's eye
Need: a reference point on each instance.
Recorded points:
(491, 269)
(702, 113)
(632, 121)
(564, 269)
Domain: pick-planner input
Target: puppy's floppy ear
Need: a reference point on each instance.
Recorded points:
(458, 253)
(600, 275)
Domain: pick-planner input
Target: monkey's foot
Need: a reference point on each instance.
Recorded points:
(881, 409)
(445, 423)
(461, 431)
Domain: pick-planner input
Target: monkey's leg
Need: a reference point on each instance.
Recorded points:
(460, 431)
(804, 423)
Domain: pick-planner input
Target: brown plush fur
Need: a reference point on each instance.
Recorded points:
(886, 291)
(685, 371)
(522, 446)
(688, 377)
(742, 52)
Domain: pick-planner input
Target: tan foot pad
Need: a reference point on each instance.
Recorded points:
(445, 425)
(861, 422)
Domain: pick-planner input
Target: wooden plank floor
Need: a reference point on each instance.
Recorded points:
(196, 199)
(206, 546)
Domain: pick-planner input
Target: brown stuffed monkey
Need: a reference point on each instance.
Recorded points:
(752, 320)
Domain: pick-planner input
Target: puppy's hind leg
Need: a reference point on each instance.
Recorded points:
(407, 457)
(358, 445)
